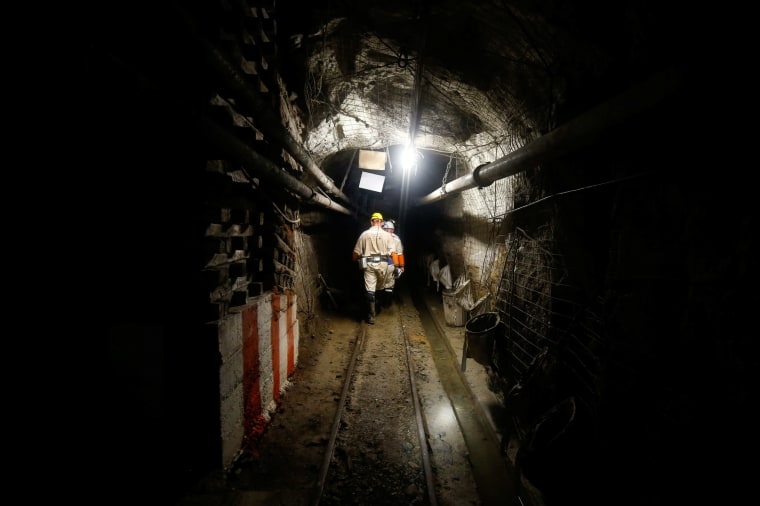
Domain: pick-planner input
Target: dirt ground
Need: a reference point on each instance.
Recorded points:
(379, 456)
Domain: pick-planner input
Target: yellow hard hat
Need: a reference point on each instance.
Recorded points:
(376, 216)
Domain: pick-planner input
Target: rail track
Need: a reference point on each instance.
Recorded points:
(376, 415)
(378, 452)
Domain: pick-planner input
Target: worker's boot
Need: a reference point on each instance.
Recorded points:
(371, 315)
(388, 297)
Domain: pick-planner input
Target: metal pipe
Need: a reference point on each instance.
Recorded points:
(577, 133)
(262, 166)
(270, 123)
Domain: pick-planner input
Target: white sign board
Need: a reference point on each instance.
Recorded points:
(370, 181)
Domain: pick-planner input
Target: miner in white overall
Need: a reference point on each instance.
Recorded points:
(373, 249)
(395, 269)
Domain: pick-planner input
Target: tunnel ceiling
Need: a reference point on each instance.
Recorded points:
(472, 80)
(492, 74)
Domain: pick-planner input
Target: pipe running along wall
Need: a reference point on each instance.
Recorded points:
(270, 124)
(263, 166)
(578, 133)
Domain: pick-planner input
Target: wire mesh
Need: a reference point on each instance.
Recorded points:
(542, 313)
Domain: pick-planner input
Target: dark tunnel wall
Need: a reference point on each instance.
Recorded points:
(638, 310)
(159, 364)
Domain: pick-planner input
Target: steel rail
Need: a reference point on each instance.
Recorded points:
(338, 415)
(420, 424)
(421, 432)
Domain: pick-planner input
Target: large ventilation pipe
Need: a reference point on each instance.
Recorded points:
(270, 123)
(576, 134)
(263, 166)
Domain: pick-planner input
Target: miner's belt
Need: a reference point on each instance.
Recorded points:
(377, 259)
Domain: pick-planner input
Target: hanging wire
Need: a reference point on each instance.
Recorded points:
(294, 221)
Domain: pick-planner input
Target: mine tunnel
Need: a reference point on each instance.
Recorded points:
(572, 174)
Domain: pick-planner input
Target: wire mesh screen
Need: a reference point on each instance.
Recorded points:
(543, 315)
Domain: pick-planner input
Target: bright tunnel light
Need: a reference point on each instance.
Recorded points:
(409, 157)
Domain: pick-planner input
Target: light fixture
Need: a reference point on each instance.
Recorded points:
(409, 157)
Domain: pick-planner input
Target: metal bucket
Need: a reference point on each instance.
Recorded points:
(479, 338)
